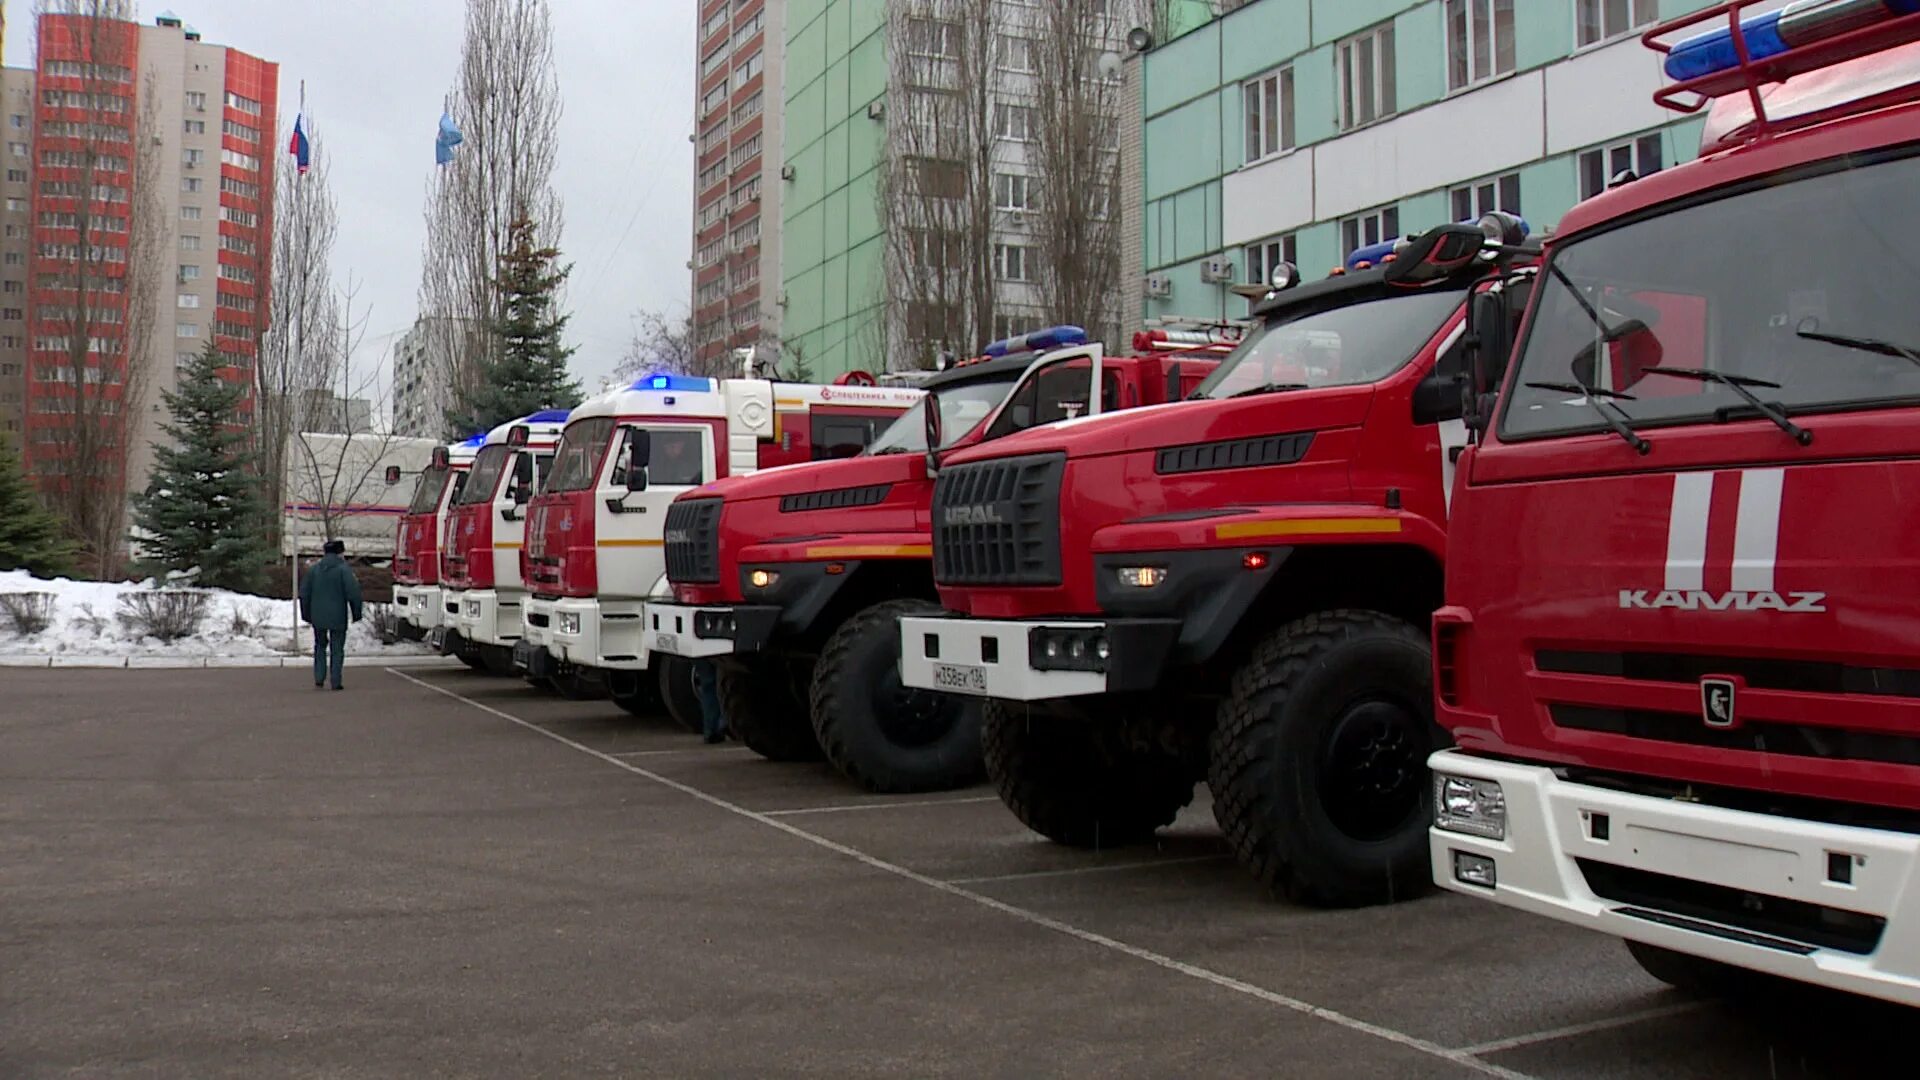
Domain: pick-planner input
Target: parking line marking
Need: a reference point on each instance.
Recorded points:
(1033, 918)
(1497, 1045)
(1137, 865)
(681, 750)
(839, 808)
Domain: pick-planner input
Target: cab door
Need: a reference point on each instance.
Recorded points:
(632, 516)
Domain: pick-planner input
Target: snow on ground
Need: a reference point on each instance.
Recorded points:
(86, 622)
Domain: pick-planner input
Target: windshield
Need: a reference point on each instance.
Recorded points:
(576, 462)
(1803, 290)
(426, 493)
(1344, 346)
(962, 407)
(485, 476)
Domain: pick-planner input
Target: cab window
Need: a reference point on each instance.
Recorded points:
(576, 462)
(844, 436)
(677, 458)
(1057, 393)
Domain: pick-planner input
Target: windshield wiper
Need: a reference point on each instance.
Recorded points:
(1615, 419)
(1739, 384)
(1268, 388)
(1873, 345)
(893, 450)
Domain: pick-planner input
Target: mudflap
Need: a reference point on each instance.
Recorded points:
(437, 641)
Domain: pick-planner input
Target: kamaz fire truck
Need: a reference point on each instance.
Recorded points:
(796, 579)
(1680, 653)
(482, 591)
(597, 528)
(416, 549)
(1268, 555)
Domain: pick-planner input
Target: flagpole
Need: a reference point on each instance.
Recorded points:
(286, 369)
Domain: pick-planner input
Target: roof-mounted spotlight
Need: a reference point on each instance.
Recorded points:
(1139, 39)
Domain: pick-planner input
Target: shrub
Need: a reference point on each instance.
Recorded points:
(27, 612)
(163, 614)
(384, 621)
(90, 621)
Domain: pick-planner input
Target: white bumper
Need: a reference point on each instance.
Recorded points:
(988, 658)
(490, 616)
(536, 621)
(598, 633)
(1550, 824)
(670, 629)
(418, 605)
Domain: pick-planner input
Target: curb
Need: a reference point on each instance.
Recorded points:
(175, 663)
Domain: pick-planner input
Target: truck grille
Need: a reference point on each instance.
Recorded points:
(998, 522)
(693, 541)
(1758, 736)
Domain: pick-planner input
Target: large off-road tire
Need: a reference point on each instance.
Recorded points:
(1695, 974)
(1319, 760)
(637, 692)
(495, 659)
(764, 709)
(1078, 784)
(673, 677)
(880, 734)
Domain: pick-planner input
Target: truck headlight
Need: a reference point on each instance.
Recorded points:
(1474, 807)
(473, 609)
(1142, 577)
(569, 622)
(760, 579)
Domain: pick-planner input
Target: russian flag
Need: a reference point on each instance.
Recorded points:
(299, 147)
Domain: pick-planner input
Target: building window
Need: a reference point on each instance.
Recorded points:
(1012, 326)
(239, 160)
(745, 152)
(196, 127)
(16, 176)
(197, 100)
(748, 70)
(1369, 228)
(189, 213)
(17, 121)
(1363, 78)
(932, 37)
(1471, 202)
(714, 98)
(1599, 167)
(1016, 53)
(1012, 191)
(713, 174)
(1013, 122)
(244, 104)
(745, 235)
(1598, 20)
(715, 23)
(746, 193)
(749, 108)
(189, 272)
(1479, 41)
(17, 149)
(1010, 262)
(189, 243)
(186, 329)
(187, 300)
(1268, 104)
(189, 184)
(238, 130)
(16, 205)
(1264, 256)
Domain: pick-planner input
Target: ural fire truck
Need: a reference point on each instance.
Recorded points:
(1269, 554)
(1680, 654)
(486, 527)
(795, 579)
(416, 549)
(595, 533)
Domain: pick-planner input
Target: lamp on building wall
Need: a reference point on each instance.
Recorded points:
(1139, 39)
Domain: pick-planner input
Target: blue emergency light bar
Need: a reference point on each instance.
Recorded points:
(1053, 337)
(1373, 253)
(548, 416)
(681, 383)
(475, 440)
(1801, 22)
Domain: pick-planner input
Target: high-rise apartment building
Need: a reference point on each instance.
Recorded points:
(737, 188)
(422, 383)
(152, 205)
(16, 241)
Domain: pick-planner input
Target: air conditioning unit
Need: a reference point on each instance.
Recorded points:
(781, 300)
(1217, 270)
(1157, 286)
(786, 172)
(876, 110)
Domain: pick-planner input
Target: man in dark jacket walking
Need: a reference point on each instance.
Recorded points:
(328, 596)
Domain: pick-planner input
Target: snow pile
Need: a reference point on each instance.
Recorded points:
(86, 621)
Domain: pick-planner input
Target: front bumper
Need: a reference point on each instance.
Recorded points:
(490, 616)
(696, 631)
(591, 632)
(1033, 660)
(1760, 891)
(419, 605)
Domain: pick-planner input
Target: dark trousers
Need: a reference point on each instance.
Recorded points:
(325, 642)
(706, 684)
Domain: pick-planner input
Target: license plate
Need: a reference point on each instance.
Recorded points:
(437, 639)
(962, 677)
(667, 643)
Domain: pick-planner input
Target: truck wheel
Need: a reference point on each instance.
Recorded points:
(496, 659)
(880, 734)
(764, 709)
(1694, 974)
(1063, 780)
(575, 685)
(637, 692)
(1319, 760)
(673, 676)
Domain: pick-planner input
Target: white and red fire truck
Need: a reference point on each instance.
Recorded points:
(416, 549)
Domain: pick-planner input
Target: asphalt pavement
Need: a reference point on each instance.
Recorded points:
(434, 873)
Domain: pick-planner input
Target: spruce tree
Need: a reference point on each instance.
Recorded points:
(529, 369)
(30, 537)
(202, 505)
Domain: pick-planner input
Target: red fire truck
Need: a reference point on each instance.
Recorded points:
(416, 548)
(797, 578)
(482, 590)
(1679, 655)
(596, 530)
(1269, 555)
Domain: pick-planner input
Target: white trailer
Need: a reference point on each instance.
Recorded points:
(336, 488)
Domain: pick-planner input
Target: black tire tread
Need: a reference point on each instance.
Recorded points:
(1141, 797)
(764, 714)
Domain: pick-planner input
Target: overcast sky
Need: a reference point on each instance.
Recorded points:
(376, 73)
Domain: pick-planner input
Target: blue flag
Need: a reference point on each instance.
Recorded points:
(448, 138)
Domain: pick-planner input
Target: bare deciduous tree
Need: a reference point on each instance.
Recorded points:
(300, 349)
(937, 180)
(98, 296)
(507, 103)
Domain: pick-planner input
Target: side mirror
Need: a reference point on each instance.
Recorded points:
(1436, 253)
(1586, 362)
(393, 475)
(521, 493)
(1439, 397)
(639, 447)
(932, 417)
(523, 470)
